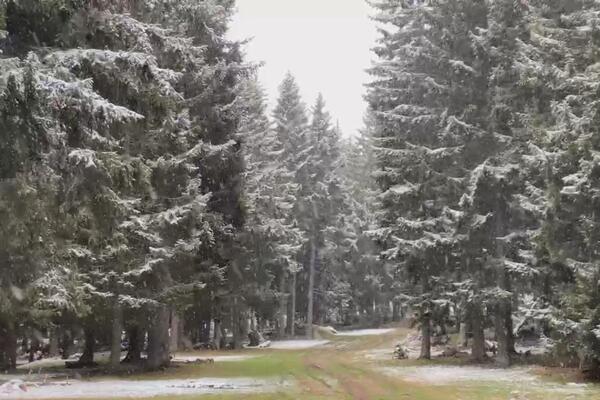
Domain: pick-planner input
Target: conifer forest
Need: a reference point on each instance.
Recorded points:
(168, 229)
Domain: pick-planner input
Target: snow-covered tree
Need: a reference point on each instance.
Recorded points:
(365, 282)
(271, 238)
(568, 243)
(290, 150)
(28, 196)
(148, 162)
(422, 130)
(321, 202)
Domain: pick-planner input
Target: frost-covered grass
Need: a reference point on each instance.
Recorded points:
(111, 389)
(297, 344)
(365, 332)
(190, 358)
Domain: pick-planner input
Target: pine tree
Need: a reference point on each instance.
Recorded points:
(452, 132)
(150, 168)
(515, 172)
(270, 241)
(567, 245)
(423, 124)
(321, 202)
(3, 32)
(28, 194)
(365, 280)
(290, 125)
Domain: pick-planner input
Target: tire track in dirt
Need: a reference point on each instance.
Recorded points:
(354, 377)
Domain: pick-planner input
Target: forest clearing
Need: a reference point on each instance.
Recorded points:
(346, 367)
(177, 220)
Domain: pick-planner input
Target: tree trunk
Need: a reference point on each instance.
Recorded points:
(425, 337)
(11, 349)
(158, 339)
(53, 345)
(478, 345)
(236, 326)
(115, 339)
(510, 337)
(463, 338)
(503, 356)
(253, 324)
(175, 333)
(395, 311)
(282, 305)
(33, 348)
(311, 288)
(218, 334)
(134, 350)
(205, 332)
(66, 344)
(244, 326)
(425, 324)
(508, 323)
(293, 312)
(8, 347)
(321, 305)
(87, 358)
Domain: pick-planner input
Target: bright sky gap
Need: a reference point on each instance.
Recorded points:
(326, 44)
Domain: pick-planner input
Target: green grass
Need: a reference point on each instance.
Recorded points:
(270, 364)
(340, 373)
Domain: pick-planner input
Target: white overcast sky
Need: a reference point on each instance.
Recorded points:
(324, 43)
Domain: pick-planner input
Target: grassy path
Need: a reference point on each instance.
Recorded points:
(337, 371)
(342, 370)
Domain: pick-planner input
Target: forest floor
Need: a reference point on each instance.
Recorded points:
(349, 366)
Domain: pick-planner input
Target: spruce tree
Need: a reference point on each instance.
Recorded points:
(28, 195)
(424, 128)
(567, 245)
(148, 161)
(271, 239)
(290, 125)
(365, 278)
(321, 203)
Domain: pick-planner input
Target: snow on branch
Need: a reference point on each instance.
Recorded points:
(132, 67)
(81, 95)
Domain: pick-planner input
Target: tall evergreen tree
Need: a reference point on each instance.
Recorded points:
(567, 245)
(321, 201)
(290, 125)
(271, 239)
(28, 194)
(365, 279)
(420, 137)
(150, 170)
